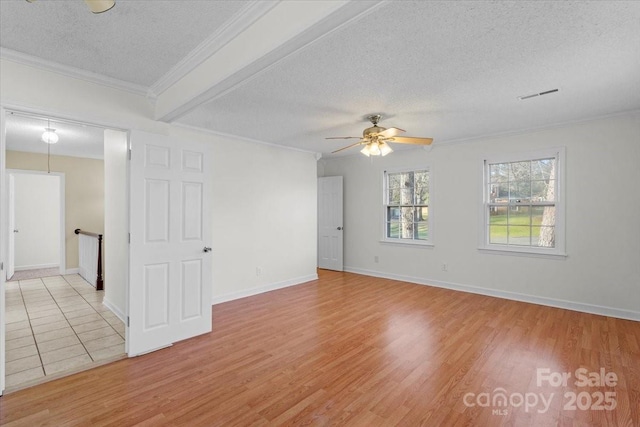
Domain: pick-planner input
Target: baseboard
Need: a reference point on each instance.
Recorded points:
(35, 267)
(515, 296)
(262, 289)
(115, 310)
(72, 271)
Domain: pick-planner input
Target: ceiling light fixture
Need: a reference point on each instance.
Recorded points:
(96, 6)
(50, 136)
(100, 6)
(376, 149)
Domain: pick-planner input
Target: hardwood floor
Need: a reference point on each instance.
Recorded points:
(360, 351)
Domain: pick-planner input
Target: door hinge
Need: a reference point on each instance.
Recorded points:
(127, 321)
(1, 266)
(129, 153)
(129, 237)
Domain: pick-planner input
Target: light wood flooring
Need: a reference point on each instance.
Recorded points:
(359, 351)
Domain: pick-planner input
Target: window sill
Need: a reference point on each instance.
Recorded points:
(411, 243)
(523, 252)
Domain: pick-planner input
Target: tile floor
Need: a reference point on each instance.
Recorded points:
(57, 324)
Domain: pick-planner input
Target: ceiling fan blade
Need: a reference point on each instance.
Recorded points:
(348, 146)
(388, 133)
(411, 140)
(344, 137)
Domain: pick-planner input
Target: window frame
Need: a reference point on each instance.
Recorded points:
(559, 248)
(385, 204)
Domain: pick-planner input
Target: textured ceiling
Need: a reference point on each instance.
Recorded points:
(447, 70)
(136, 41)
(24, 133)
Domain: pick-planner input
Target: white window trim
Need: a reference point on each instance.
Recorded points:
(406, 242)
(559, 251)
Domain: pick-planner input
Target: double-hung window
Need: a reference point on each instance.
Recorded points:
(406, 207)
(524, 203)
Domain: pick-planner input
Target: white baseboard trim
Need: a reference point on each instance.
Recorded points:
(35, 267)
(72, 271)
(262, 289)
(115, 310)
(515, 296)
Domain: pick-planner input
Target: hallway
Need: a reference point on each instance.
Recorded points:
(55, 325)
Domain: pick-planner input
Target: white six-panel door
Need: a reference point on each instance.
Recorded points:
(330, 250)
(170, 273)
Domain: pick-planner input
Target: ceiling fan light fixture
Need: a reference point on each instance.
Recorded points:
(366, 150)
(385, 149)
(50, 136)
(100, 6)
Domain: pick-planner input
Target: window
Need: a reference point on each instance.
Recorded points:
(406, 205)
(523, 204)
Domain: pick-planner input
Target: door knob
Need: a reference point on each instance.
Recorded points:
(339, 228)
(206, 249)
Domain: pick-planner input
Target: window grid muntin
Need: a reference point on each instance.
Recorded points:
(393, 186)
(494, 179)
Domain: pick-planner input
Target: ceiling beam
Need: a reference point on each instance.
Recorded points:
(278, 33)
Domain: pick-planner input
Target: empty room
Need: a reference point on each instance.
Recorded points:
(349, 212)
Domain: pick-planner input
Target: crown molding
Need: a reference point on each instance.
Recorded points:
(241, 138)
(242, 20)
(76, 73)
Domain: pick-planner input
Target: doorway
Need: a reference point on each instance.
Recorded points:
(83, 320)
(36, 203)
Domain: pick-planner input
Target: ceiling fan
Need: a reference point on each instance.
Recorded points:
(375, 139)
(96, 6)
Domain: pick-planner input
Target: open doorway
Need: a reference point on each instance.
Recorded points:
(57, 324)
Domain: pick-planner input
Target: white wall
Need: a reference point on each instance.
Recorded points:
(116, 222)
(264, 197)
(602, 270)
(37, 218)
(264, 203)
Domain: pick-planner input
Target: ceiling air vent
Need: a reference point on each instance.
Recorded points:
(533, 95)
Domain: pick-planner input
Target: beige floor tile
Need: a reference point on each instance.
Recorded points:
(85, 319)
(120, 329)
(19, 353)
(19, 342)
(108, 352)
(103, 342)
(18, 316)
(23, 364)
(59, 343)
(62, 353)
(24, 376)
(10, 335)
(115, 321)
(17, 326)
(40, 303)
(67, 301)
(97, 333)
(47, 319)
(84, 327)
(44, 313)
(67, 364)
(79, 313)
(39, 329)
(53, 335)
(34, 309)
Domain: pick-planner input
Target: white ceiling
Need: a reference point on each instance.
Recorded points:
(447, 70)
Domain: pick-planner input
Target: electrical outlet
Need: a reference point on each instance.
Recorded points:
(444, 266)
(375, 259)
